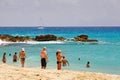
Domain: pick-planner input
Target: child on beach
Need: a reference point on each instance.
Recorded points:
(65, 61)
(22, 57)
(4, 58)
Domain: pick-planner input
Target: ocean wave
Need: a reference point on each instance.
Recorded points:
(45, 42)
(109, 43)
(93, 43)
(99, 43)
(103, 42)
(61, 42)
(4, 42)
(32, 42)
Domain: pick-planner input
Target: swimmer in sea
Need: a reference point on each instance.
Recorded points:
(88, 64)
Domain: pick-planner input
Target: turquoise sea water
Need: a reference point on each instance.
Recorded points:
(104, 56)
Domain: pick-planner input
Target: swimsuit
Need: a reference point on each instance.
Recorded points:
(23, 59)
(14, 60)
(43, 62)
(58, 62)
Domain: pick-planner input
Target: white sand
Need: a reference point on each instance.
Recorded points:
(8, 72)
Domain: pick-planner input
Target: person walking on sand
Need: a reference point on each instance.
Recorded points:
(15, 57)
(65, 61)
(59, 59)
(4, 58)
(22, 57)
(44, 58)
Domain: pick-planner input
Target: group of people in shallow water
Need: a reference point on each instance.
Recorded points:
(22, 56)
(61, 60)
(14, 57)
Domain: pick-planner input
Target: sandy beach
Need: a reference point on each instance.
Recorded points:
(8, 72)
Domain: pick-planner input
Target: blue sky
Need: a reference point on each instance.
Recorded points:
(59, 12)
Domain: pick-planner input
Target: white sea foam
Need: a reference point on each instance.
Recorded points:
(55, 42)
(32, 42)
(93, 43)
(4, 42)
(45, 42)
(103, 42)
(108, 43)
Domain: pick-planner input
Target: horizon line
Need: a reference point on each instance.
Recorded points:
(68, 26)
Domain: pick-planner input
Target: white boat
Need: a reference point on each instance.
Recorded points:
(41, 27)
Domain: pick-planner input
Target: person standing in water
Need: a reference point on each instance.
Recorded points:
(79, 59)
(65, 61)
(22, 57)
(44, 58)
(15, 57)
(4, 58)
(59, 59)
(88, 64)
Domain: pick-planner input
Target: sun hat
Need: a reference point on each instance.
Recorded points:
(58, 50)
(44, 47)
(23, 49)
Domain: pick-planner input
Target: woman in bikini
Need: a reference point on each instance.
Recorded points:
(59, 59)
(22, 57)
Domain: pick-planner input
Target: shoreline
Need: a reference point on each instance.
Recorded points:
(17, 73)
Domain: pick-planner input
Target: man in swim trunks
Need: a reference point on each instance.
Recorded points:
(44, 58)
(59, 59)
(22, 57)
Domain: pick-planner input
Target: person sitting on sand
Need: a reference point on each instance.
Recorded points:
(22, 57)
(59, 59)
(44, 58)
(4, 58)
(15, 57)
(88, 64)
(65, 61)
